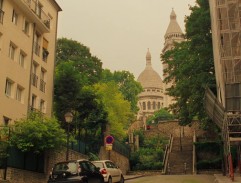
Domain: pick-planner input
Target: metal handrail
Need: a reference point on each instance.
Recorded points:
(166, 154)
(194, 170)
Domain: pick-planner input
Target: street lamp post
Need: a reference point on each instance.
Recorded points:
(68, 119)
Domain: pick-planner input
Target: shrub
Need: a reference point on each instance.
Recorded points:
(37, 133)
(209, 164)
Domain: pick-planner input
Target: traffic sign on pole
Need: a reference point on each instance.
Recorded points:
(108, 147)
(109, 139)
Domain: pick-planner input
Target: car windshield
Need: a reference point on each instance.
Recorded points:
(98, 164)
(66, 166)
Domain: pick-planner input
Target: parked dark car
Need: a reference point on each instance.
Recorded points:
(75, 171)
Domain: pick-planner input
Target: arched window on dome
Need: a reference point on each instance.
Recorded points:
(154, 105)
(158, 105)
(144, 105)
(148, 105)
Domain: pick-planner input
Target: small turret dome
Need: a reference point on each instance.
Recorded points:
(173, 26)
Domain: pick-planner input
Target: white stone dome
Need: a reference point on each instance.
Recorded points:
(149, 78)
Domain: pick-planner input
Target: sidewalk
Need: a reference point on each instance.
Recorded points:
(219, 178)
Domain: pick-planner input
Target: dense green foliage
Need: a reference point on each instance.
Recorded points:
(118, 109)
(37, 133)
(160, 115)
(68, 85)
(76, 71)
(191, 66)
(126, 84)
(150, 154)
(89, 66)
(208, 155)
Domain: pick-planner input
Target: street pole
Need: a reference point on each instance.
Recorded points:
(68, 118)
(67, 145)
(180, 139)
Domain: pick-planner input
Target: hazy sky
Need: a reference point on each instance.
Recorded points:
(119, 32)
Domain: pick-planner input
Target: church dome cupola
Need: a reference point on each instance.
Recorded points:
(148, 58)
(173, 15)
(149, 78)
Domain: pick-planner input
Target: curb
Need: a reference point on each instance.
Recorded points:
(133, 177)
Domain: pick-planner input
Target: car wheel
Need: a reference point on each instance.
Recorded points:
(110, 180)
(122, 180)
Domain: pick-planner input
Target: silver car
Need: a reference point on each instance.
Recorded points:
(110, 171)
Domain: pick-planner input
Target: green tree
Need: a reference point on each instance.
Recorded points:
(91, 118)
(127, 85)
(160, 115)
(68, 84)
(76, 68)
(89, 66)
(191, 66)
(37, 133)
(119, 113)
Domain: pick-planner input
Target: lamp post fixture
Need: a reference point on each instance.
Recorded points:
(68, 119)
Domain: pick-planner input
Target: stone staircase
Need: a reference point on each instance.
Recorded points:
(181, 157)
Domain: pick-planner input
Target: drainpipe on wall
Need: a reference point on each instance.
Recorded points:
(31, 65)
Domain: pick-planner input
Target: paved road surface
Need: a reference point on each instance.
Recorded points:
(174, 179)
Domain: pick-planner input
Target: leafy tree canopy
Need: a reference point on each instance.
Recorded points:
(161, 115)
(118, 109)
(37, 133)
(68, 84)
(127, 85)
(191, 67)
(88, 65)
(90, 109)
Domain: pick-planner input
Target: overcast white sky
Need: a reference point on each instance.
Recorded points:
(119, 32)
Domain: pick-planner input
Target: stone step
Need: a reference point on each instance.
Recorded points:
(179, 169)
(181, 156)
(183, 148)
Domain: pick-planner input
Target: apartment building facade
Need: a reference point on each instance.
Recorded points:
(28, 33)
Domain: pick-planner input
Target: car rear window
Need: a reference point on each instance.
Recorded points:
(66, 166)
(98, 164)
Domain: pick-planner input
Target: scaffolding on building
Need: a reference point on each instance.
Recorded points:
(228, 118)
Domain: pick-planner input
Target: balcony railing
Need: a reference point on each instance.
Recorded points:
(45, 54)
(37, 9)
(36, 48)
(34, 80)
(1, 16)
(221, 2)
(42, 85)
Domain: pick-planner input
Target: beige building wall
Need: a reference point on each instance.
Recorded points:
(28, 31)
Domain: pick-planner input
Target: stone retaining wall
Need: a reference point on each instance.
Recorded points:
(172, 127)
(117, 158)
